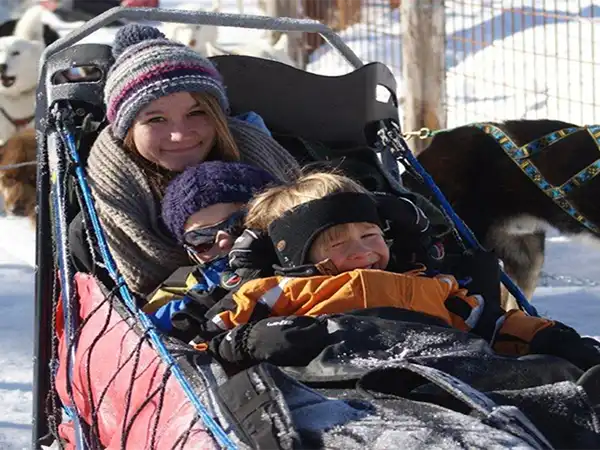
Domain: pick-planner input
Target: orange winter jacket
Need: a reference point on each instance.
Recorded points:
(364, 288)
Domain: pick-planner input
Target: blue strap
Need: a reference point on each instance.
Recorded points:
(399, 146)
(211, 424)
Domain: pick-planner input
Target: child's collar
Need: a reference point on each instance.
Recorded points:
(326, 267)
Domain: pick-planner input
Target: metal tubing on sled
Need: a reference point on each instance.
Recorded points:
(44, 277)
(283, 24)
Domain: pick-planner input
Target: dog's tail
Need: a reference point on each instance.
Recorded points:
(31, 26)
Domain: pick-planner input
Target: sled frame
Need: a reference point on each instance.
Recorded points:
(45, 260)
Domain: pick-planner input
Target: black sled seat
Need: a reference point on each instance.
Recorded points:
(341, 112)
(332, 121)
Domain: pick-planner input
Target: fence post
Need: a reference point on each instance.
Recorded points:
(423, 66)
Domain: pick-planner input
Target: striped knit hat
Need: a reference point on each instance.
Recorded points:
(149, 66)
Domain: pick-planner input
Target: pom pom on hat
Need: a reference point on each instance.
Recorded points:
(133, 34)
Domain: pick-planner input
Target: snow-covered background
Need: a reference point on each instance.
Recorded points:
(485, 81)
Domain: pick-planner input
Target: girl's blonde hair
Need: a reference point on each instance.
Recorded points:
(225, 148)
(272, 203)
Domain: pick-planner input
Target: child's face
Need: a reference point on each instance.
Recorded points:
(212, 231)
(352, 246)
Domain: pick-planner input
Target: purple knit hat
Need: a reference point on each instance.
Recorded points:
(207, 184)
(149, 66)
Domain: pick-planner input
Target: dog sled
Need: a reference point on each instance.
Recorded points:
(106, 378)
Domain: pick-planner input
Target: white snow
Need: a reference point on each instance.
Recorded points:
(570, 287)
(16, 331)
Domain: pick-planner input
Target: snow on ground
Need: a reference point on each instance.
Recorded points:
(16, 332)
(569, 290)
(570, 286)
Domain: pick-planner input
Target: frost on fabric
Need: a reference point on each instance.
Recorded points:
(415, 426)
(415, 344)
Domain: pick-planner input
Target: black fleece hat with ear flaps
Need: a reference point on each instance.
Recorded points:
(294, 233)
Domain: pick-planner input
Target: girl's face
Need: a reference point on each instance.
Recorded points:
(174, 132)
(211, 226)
(352, 246)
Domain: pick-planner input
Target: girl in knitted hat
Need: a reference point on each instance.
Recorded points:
(167, 110)
(203, 210)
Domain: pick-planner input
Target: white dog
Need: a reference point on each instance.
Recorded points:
(20, 54)
(193, 35)
(260, 49)
(203, 39)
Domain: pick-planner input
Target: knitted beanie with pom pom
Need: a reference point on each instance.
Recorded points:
(149, 66)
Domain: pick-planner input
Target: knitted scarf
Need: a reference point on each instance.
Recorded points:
(130, 213)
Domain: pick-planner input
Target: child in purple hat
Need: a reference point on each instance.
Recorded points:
(203, 210)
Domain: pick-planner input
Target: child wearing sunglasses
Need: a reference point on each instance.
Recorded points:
(203, 210)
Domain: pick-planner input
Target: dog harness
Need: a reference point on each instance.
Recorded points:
(521, 156)
(17, 123)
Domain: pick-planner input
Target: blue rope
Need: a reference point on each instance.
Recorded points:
(147, 325)
(68, 316)
(462, 228)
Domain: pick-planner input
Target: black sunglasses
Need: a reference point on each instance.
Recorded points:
(202, 239)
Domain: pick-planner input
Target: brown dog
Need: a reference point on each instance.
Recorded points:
(505, 209)
(18, 184)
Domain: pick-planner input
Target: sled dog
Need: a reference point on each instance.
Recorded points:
(22, 42)
(505, 209)
(203, 39)
(18, 184)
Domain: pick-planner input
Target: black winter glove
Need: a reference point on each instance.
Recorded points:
(563, 341)
(253, 250)
(403, 216)
(283, 341)
(479, 272)
(190, 322)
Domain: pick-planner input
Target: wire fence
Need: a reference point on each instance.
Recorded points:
(505, 59)
(522, 59)
(370, 27)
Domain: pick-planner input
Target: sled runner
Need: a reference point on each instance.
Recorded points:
(106, 378)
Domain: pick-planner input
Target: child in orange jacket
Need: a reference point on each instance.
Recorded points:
(330, 237)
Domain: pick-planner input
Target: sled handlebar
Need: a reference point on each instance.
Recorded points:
(283, 24)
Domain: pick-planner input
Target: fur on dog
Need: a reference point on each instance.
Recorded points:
(18, 185)
(203, 39)
(507, 212)
(259, 48)
(336, 14)
(22, 42)
(194, 36)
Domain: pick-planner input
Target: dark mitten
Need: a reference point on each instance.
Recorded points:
(590, 382)
(563, 341)
(283, 341)
(189, 322)
(253, 250)
(401, 214)
(410, 233)
(479, 272)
